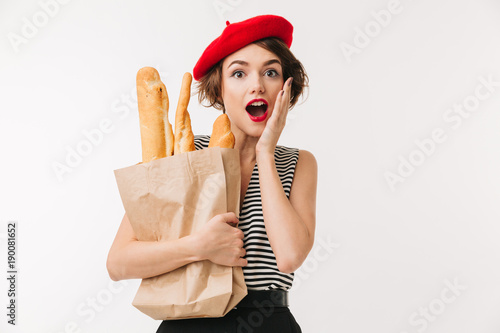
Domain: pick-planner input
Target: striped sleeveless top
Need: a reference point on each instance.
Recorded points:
(262, 272)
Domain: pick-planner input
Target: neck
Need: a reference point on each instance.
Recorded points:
(246, 145)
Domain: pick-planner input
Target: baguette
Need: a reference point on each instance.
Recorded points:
(221, 133)
(157, 137)
(184, 138)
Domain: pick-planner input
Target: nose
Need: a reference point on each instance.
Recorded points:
(257, 85)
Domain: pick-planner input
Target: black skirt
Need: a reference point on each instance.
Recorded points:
(239, 320)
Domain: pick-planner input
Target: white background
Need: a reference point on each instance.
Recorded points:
(382, 255)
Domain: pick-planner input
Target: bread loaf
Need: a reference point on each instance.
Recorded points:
(221, 133)
(157, 137)
(184, 138)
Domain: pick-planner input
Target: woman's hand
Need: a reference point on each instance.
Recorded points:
(221, 242)
(275, 124)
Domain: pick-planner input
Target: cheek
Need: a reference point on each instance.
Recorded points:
(278, 86)
(230, 98)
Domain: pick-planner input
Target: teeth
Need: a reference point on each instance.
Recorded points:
(257, 103)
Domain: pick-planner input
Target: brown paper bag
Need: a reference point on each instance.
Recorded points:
(170, 198)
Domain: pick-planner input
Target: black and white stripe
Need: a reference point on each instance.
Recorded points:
(262, 272)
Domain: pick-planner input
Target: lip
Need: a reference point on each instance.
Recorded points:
(264, 116)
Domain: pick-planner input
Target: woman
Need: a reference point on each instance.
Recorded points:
(250, 74)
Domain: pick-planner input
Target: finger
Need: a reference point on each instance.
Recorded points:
(239, 234)
(229, 217)
(288, 87)
(240, 243)
(241, 262)
(287, 82)
(279, 100)
(288, 91)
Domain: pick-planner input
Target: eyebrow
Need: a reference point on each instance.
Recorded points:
(244, 63)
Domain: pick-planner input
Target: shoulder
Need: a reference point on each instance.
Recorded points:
(285, 153)
(306, 162)
(307, 157)
(304, 186)
(304, 158)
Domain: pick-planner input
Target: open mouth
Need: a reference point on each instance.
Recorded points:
(257, 109)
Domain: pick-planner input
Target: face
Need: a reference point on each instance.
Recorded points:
(251, 80)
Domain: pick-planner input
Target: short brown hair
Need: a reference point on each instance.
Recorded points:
(209, 87)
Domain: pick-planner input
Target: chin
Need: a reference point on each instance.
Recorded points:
(254, 132)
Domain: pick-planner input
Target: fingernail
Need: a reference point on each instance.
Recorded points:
(290, 82)
(282, 92)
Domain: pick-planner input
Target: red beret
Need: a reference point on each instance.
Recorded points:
(237, 35)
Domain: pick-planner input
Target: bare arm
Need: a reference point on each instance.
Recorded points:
(290, 224)
(130, 258)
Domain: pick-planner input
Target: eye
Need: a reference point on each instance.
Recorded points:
(237, 74)
(272, 73)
